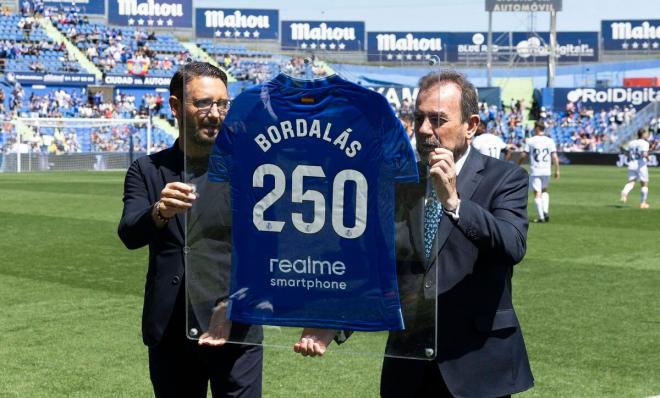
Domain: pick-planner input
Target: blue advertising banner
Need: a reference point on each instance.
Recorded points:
(466, 47)
(237, 23)
(597, 99)
(631, 35)
(473, 47)
(406, 46)
(323, 35)
(151, 13)
(571, 46)
(51, 79)
(136, 81)
(96, 7)
(396, 95)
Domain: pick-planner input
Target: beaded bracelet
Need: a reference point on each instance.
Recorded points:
(158, 214)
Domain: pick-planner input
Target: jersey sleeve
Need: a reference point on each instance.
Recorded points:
(397, 149)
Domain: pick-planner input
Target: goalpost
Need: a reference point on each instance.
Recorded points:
(69, 144)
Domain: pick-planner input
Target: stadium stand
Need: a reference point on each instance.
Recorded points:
(68, 102)
(28, 43)
(25, 47)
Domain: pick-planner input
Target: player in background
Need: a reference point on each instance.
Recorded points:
(638, 156)
(541, 150)
(488, 144)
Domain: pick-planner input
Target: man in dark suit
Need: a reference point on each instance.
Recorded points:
(460, 231)
(155, 200)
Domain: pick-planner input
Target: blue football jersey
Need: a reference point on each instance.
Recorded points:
(312, 167)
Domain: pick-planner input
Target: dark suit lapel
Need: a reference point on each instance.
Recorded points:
(172, 171)
(441, 238)
(467, 182)
(469, 178)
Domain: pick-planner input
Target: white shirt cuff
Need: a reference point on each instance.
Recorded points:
(453, 214)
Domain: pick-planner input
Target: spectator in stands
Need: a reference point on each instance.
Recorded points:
(108, 63)
(37, 66)
(158, 103)
(178, 366)
(407, 109)
(26, 24)
(26, 7)
(18, 91)
(140, 37)
(92, 53)
(227, 61)
(69, 63)
(654, 126)
(71, 33)
(166, 64)
(38, 6)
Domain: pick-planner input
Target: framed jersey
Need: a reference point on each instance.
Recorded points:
(309, 169)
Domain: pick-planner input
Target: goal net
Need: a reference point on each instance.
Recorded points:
(68, 144)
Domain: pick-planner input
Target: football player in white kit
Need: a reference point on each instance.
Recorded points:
(488, 144)
(638, 155)
(541, 150)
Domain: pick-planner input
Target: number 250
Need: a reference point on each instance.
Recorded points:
(316, 197)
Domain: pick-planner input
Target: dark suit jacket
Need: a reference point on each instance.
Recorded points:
(209, 247)
(480, 348)
(145, 178)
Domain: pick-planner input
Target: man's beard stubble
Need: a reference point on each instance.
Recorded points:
(196, 139)
(198, 149)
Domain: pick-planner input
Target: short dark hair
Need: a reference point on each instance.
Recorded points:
(641, 132)
(190, 71)
(540, 125)
(469, 99)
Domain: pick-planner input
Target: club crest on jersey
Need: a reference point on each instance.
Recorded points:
(300, 128)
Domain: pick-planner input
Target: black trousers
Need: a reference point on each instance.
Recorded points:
(180, 368)
(411, 378)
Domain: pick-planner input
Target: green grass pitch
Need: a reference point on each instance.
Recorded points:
(587, 295)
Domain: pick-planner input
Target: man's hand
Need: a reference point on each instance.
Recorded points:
(219, 327)
(443, 173)
(314, 342)
(175, 198)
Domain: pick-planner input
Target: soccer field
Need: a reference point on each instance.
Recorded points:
(587, 295)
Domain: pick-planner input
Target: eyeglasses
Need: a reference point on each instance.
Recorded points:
(435, 119)
(205, 104)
